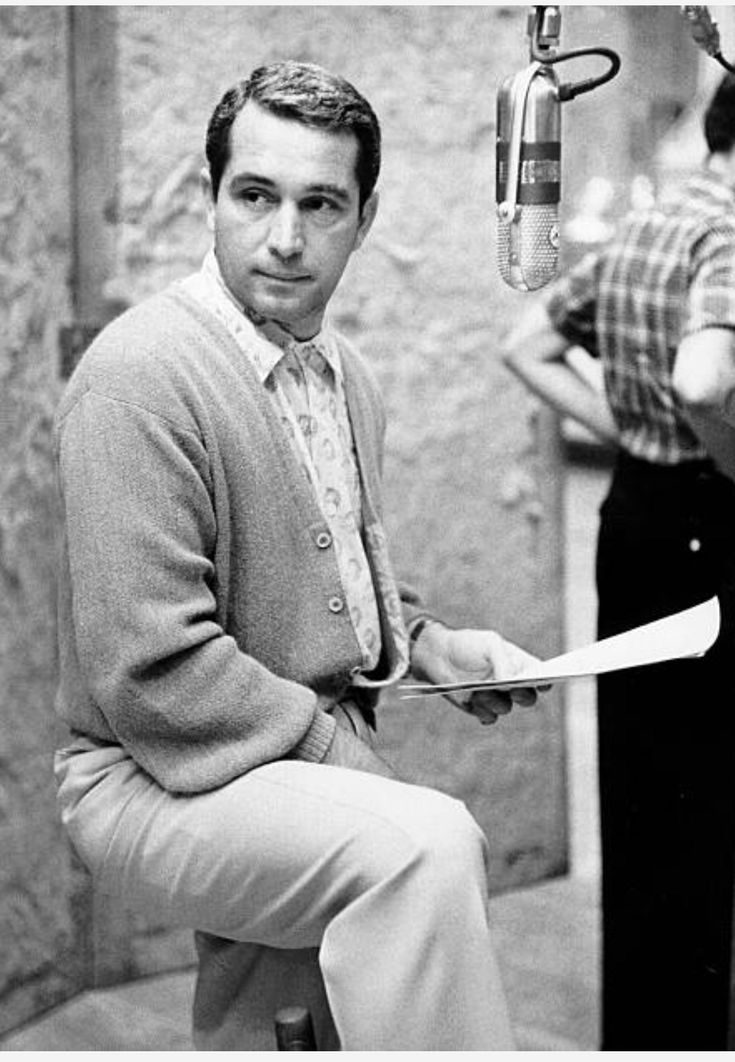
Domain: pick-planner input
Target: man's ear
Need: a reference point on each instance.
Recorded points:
(205, 182)
(369, 210)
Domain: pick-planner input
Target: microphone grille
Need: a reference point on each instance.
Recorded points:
(528, 247)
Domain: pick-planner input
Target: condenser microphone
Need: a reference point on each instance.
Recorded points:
(528, 154)
(528, 177)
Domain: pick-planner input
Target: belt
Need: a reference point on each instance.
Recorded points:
(636, 466)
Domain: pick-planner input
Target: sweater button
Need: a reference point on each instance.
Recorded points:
(336, 604)
(323, 540)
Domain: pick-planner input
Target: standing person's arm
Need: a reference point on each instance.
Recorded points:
(703, 375)
(704, 382)
(537, 353)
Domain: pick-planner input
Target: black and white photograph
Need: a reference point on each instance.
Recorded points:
(367, 528)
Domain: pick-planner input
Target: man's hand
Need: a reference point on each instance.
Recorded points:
(444, 655)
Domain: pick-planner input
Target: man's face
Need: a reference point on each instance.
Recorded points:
(287, 217)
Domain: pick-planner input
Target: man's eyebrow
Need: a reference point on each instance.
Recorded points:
(335, 190)
(251, 178)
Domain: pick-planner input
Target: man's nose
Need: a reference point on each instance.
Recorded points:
(286, 234)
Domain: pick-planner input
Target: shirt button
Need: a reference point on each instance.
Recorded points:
(323, 539)
(695, 545)
(336, 604)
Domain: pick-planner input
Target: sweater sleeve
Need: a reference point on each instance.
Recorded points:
(175, 689)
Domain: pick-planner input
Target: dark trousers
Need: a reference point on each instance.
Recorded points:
(667, 765)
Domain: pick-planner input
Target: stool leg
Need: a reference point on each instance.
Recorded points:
(294, 1030)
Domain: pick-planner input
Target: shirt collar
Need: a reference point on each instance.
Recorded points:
(268, 341)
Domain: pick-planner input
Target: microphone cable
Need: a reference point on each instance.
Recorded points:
(543, 55)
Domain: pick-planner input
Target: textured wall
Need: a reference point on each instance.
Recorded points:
(56, 936)
(472, 494)
(37, 881)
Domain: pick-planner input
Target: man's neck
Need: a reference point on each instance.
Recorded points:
(270, 324)
(278, 333)
(264, 324)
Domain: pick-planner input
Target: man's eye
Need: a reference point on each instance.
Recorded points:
(324, 210)
(254, 197)
(322, 207)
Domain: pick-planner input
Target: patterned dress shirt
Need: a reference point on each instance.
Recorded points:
(670, 272)
(305, 383)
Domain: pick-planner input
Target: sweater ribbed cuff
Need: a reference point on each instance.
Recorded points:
(317, 739)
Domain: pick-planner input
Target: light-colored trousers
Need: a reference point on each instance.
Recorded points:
(358, 896)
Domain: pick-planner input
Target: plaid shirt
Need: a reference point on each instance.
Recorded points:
(669, 272)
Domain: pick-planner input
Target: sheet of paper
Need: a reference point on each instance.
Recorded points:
(685, 634)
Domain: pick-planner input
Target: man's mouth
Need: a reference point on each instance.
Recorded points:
(284, 278)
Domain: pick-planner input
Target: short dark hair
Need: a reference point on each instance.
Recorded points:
(308, 94)
(719, 119)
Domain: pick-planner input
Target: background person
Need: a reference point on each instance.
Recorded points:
(657, 308)
(228, 617)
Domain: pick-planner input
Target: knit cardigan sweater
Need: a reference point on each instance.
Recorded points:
(200, 618)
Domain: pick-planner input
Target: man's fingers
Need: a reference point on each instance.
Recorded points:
(500, 702)
(525, 696)
(485, 715)
(490, 702)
